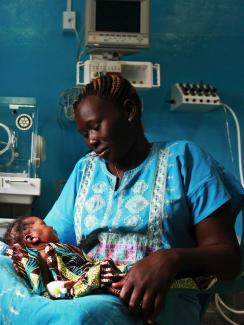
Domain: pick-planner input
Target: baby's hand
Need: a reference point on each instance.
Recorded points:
(118, 285)
(110, 273)
(69, 284)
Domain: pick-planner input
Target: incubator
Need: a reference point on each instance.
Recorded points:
(20, 151)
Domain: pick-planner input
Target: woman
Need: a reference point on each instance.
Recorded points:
(166, 209)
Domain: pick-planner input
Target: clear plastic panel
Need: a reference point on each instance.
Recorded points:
(18, 131)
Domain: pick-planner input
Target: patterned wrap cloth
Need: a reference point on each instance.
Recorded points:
(66, 263)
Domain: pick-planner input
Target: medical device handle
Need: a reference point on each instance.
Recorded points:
(16, 181)
(156, 67)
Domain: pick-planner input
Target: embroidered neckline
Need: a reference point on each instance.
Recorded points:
(130, 171)
(97, 163)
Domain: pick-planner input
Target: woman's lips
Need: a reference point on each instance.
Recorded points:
(103, 153)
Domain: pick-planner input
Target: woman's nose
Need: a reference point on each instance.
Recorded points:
(92, 141)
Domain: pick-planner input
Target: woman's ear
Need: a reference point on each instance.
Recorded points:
(130, 109)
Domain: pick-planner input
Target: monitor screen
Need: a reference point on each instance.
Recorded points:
(118, 16)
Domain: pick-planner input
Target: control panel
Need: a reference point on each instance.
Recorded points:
(140, 74)
(95, 68)
(118, 39)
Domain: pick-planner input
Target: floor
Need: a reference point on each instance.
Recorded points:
(213, 317)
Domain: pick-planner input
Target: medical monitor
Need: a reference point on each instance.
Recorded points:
(117, 25)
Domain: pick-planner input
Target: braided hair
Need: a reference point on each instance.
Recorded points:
(113, 88)
(16, 231)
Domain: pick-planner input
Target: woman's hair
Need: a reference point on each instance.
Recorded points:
(113, 88)
(16, 231)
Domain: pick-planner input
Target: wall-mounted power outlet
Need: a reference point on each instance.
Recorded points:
(69, 21)
(194, 97)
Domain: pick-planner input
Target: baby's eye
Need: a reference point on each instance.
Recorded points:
(96, 127)
(83, 133)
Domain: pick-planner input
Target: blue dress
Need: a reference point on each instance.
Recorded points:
(156, 206)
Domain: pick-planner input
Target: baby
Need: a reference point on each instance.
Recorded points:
(54, 269)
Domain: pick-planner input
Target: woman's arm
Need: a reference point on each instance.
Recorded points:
(217, 253)
(61, 216)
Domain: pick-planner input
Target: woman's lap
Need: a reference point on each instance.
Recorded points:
(18, 305)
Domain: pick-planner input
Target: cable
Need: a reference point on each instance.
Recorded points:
(69, 5)
(230, 321)
(234, 311)
(217, 299)
(65, 105)
(80, 45)
(8, 163)
(77, 36)
(238, 131)
(229, 141)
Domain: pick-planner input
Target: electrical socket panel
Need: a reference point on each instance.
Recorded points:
(194, 97)
(69, 21)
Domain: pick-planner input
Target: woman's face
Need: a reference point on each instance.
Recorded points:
(105, 128)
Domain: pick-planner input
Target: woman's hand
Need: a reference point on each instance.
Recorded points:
(145, 286)
(217, 253)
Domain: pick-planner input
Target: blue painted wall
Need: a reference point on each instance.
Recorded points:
(192, 40)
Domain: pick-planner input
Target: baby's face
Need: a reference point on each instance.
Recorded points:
(38, 227)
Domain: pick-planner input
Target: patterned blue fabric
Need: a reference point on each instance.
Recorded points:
(178, 185)
(195, 187)
(19, 306)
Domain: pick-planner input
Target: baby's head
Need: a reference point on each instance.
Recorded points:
(30, 231)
